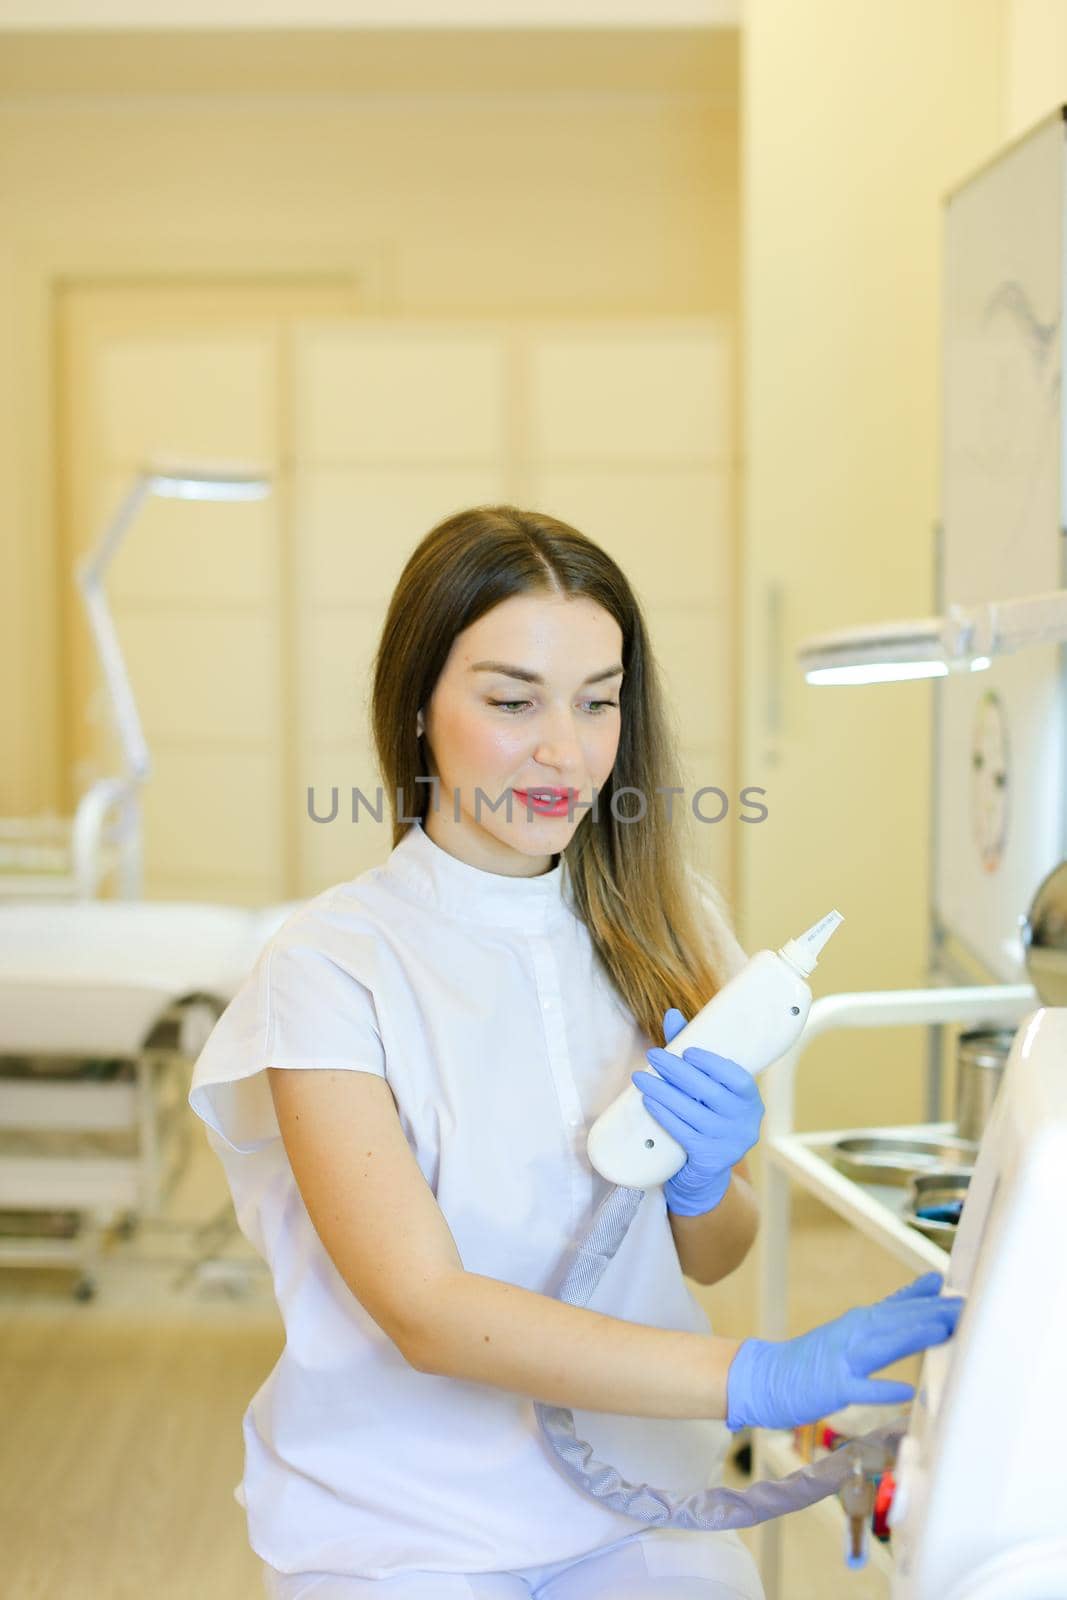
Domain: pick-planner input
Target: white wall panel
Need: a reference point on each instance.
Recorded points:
(357, 525)
(631, 394)
(203, 675)
(407, 394)
(213, 816)
(335, 680)
(334, 851)
(671, 532)
(180, 396)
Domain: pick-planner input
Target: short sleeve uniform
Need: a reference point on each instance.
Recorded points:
(480, 1000)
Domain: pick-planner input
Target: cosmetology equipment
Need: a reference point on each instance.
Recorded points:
(132, 986)
(981, 1055)
(997, 1447)
(753, 1019)
(979, 1510)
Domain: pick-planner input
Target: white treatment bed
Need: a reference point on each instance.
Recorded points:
(104, 1006)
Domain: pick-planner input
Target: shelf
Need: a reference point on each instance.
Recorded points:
(45, 1183)
(41, 1252)
(76, 1106)
(873, 1209)
(876, 1209)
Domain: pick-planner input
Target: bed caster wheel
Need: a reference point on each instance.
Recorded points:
(84, 1289)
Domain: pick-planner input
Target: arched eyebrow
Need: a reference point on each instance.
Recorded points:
(535, 677)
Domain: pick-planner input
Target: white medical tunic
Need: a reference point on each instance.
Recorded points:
(479, 998)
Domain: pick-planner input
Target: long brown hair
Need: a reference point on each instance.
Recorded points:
(633, 882)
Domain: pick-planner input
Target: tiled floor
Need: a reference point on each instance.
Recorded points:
(121, 1440)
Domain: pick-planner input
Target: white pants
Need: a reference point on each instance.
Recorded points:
(652, 1564)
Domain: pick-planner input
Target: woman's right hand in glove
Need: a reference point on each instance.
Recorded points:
(780, 1384)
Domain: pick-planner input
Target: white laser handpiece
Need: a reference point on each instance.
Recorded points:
(753, 1020)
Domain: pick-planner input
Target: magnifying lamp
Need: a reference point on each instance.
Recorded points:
(170, 482)
(188, 481)
(964, 640)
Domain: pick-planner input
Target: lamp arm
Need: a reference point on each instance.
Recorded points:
(97, 561)
(107, 795)
(90, 579)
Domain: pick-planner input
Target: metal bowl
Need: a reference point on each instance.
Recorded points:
(935, 1204)
(898, 1159)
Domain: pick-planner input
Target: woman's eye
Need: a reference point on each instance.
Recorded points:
(513, 706)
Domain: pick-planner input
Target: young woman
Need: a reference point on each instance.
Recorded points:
(401, 1091)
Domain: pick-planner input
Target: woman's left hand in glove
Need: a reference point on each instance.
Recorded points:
(711, 1106)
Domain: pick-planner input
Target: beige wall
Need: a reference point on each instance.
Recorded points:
(856, 118)
(502, 204)
(1035, 62)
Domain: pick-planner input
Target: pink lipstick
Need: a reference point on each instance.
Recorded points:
(547, 802)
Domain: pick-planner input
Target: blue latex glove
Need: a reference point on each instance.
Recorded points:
(714, 1110)
(780, 1384)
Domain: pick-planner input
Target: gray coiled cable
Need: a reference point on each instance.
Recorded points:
(708, 1509)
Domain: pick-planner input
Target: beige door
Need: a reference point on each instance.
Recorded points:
(198, 590)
